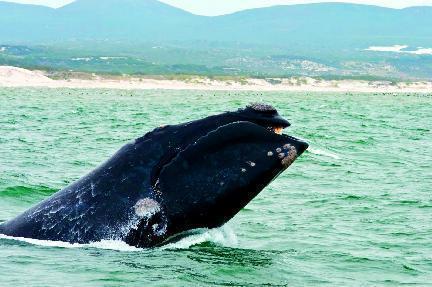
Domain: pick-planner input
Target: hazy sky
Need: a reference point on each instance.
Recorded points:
(217, 7)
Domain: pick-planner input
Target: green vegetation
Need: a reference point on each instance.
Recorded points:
(225, 63)
(148, 38)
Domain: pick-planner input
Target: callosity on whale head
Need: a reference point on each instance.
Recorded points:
(174, 179)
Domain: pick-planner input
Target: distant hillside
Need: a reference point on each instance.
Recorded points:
(319, 38)
(126, 20)
(325, 24)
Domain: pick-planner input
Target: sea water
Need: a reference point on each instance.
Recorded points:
(354, 210)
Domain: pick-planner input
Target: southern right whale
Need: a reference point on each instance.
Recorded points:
(174, 179)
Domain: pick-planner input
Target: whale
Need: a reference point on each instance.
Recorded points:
(174, 179)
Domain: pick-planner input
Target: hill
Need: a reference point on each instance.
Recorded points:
(315, 39)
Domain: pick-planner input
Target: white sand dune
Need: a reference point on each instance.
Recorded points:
(13, 76)
(18, 77)
(402, 49)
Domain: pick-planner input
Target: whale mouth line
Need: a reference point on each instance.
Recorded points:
(279, 130)
(266, 130)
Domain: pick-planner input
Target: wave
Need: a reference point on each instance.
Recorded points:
(104, 244)
(324, 153)
(27, 191)
(223, 236)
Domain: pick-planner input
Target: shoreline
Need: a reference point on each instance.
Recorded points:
(13, 77)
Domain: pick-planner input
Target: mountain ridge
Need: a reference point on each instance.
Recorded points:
(314, 38)
(247, 9)
(151, 20)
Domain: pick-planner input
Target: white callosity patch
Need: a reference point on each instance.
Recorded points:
(144, 209)
(287, 154)
(290, 157)
(155, 227)
(260, 107)
(147, 207)
(159, 229)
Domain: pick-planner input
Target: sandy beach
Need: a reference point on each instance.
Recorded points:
(18, 77)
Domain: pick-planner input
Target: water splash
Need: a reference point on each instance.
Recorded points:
(224, 236)
(104, 244)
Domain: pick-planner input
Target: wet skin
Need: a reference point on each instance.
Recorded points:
(174, 179)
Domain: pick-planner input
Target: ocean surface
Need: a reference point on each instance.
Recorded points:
(354, 210)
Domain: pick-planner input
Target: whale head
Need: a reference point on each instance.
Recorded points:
(213, 167)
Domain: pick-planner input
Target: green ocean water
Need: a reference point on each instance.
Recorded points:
(355, 210)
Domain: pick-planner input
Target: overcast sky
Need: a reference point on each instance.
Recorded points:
(218, 7)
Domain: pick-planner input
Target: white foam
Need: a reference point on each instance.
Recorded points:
(104, 244)
(223, 236)
(113, 245)
(324, 153)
